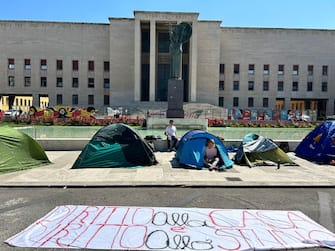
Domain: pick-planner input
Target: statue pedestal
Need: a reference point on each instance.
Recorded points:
(175, 98)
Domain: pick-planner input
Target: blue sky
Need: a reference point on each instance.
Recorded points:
(315, 14)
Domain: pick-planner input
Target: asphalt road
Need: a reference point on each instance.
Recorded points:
(22, 206)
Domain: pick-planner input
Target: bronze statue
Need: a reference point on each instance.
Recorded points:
(178, 36)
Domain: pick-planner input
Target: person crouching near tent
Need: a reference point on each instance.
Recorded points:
(171, 135)
(211, 156)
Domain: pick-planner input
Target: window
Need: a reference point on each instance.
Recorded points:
(235, 101)
(163, 42)
(295, 86)
(309, 86)
(11, 81)
(266, 69)
(75, 99)
(27, 65)
(236, 68)
(251, 69)
(236, 85)
(221, 68)
(44, 64)
(221, 101)
(90, 99)
(106, 99)
(324, 86)
(75, 82)
(221, 85)
(145, 41)
(250, 102)
(75, 65)
(27, 81)
(295, 70)
(281, 69)
(90, 82)
(11, 63)
(43, 82)
(59, 65)
(325, 70)
(310, 70)
(106, 83)
(91, 65)
(265, 102)
(251, 85)
(59, 82)
(106, 66)
(265, 85)
(59, 99)
(280, 86)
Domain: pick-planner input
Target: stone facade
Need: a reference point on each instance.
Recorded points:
(119, 74)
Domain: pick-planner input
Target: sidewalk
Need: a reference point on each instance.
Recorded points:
(59, 174)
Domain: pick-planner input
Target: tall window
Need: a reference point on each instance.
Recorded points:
(221, 101)
(106, 83)
(310, 70)
(324, 86)
(59, 65)
(75, 99)
(43, 82)
(251, 69)
(281, 69)
(236, 68)
(11, 63)
(59, 82)
(251, 85)
(11, 81)
(235, 101)
(91, 65)
(27, 81)
(265, 102)
(90, 82)
(221, 85)
(250, 102)
(295, 86)
(266, 69)
(236, 85)
(106, 66)
(75, 65)
(280, 86)
(309, 86)
(44, 64)
(75, 82)
(90, 99)
(221, 68)
(325, 70)
(27, 65)
(59, 99)
(265, 85)
(295, 70)
(106, 99)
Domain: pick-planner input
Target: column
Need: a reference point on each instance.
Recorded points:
(194, 62)
(152, 77)
(137, 62)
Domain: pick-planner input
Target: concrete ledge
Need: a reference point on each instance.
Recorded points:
(180, 123)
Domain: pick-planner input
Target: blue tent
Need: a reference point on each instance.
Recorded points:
(191, 149)
(319, 144)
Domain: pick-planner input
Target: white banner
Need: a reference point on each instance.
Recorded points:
(159, 228)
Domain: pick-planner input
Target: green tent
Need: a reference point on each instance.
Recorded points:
(256, 150)
(116, 145)
(19, 151)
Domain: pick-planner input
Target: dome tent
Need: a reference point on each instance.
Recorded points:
(319, 144)
(116, 145)
(255, 150)
(19, 151)
(191, 150)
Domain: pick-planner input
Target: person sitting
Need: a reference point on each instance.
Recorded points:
(171, 135)
(211, 157)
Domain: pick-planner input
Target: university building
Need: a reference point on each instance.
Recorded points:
(126, 62)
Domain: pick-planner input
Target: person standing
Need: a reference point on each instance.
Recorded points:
(171, 135)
